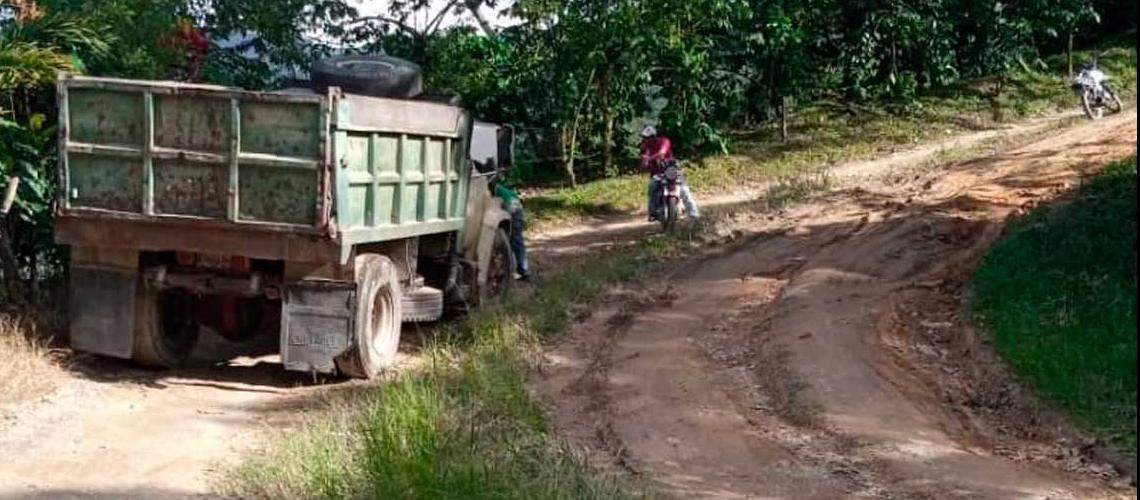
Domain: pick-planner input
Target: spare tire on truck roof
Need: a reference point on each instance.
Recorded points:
(376, 76)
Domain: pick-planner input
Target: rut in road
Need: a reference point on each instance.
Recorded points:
(826, 355)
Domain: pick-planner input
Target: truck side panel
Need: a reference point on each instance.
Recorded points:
(402, 168)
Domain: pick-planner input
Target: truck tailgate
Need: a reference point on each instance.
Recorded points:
(195, 154)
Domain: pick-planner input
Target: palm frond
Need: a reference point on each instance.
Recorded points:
(24, 64)
(68, 33)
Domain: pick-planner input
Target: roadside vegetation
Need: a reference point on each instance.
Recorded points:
(716, 76)
(28, 369)
(1058, 298)
(823, 134)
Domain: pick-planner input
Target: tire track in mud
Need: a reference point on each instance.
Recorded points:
(825, 356)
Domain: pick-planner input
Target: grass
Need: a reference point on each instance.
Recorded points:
(1058, 298)
(463, 425)
(823, 134)
(28, 370)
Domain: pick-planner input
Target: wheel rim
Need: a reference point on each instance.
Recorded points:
(383, 321)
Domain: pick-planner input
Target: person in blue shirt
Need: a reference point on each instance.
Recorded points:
(513, 205)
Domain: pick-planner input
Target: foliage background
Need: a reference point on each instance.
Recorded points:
(576, 77)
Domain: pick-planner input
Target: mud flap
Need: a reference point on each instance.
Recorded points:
(101, 308)
(317, 321)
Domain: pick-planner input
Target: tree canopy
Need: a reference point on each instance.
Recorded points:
(577, 78)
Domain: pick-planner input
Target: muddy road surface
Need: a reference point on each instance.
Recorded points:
(827, 353)
(784, 368)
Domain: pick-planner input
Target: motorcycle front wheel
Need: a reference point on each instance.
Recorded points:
(1091, 110)
(672, 214)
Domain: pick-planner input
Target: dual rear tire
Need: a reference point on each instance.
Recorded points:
(166, 330)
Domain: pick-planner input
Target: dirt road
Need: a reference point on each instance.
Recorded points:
(654, 396)
(826, 355)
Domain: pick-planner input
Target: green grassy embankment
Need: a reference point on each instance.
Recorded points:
(825, 134)
(460, 426)
(1057, 296)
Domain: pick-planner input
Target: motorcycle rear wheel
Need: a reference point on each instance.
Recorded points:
(1113, 102)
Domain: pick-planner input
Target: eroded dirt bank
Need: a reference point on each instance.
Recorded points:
(826, 355)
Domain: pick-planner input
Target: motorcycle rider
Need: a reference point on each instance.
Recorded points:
(656, 153)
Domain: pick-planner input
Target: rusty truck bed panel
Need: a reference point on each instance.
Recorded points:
(163, 151)
(346, 169)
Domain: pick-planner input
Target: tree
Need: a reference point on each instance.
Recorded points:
(34, 45)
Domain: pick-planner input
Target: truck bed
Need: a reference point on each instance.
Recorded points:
(208, 166)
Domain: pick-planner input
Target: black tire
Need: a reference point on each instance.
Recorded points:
(500, 269)
(1113, 102)
(423, 305)
(672, 214)
(165, 328)
(379, 314)
(376, 76)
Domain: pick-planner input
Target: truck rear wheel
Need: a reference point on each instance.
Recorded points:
(165, 328)
(379, 313)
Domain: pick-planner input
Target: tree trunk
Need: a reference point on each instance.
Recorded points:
(785, 104)
(569, 144)
(7, 257)
(571, 138)
(473, 8)
(1069, 54)
(608, 118)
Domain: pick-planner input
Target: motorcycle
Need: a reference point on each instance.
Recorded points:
(1091, 85)
(670, 180)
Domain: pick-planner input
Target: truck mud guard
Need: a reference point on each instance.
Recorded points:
(101, 301)
(317, 321)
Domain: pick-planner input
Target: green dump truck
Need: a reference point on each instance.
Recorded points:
(327, 218)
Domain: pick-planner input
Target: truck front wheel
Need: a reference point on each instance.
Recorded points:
(500, 269)
(165, 328)
(378, 318)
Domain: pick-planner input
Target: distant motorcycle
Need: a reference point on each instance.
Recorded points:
(1091, 86)
(670, 180)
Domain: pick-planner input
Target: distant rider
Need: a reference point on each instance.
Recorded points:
(656, 154)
